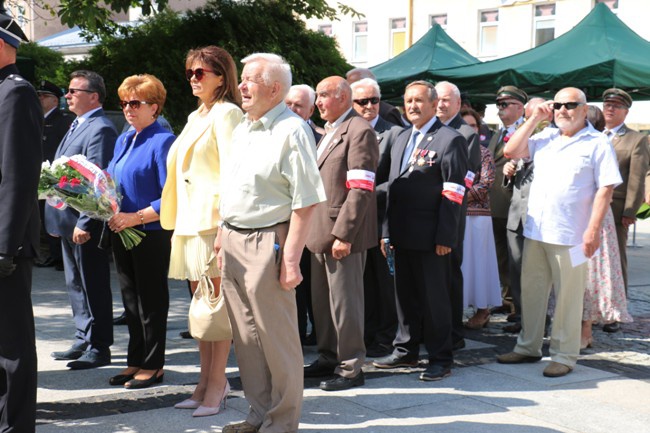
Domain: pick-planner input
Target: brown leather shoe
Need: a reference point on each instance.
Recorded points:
(516, 358)
(555, 369)
(240, 427)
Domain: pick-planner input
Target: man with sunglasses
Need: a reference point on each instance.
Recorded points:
(380, 324)
(631, 149)
(510, 101)
(575, 175)
(87, 276)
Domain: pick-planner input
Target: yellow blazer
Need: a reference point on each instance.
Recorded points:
(209, 144)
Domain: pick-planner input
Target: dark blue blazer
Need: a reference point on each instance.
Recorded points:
(145, 170)
(418, 217)
(94, 138)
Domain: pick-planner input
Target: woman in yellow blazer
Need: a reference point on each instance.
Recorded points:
(190, 200)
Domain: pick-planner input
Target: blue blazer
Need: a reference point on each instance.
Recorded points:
(94, 138)
(145, 170)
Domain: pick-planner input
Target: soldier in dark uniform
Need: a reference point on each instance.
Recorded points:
(57, 123)
(20, 158)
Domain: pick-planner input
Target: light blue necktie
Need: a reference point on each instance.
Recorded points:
(409, 150)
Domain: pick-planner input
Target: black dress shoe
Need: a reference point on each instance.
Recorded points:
(58, 266)
(515, 328)
(317, 369)
(144, 383)
(612, 327)
(435, 372)
(74, 352)
(340, 383)
(120, 379)
(120, 320)
(185, 334)
(90, 359)
(395, 361)
(310, 340)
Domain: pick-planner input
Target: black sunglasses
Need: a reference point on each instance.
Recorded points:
(568, 105)
(363, 102)
(133, 104)
(504, 104)
(197, 73)
(73, 91)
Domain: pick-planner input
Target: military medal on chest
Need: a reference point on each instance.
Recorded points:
(421, 154)
(431, 154)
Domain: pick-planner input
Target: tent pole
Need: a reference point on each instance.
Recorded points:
(410, 24)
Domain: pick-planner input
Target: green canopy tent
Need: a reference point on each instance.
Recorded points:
(598, 53)
(434, 50)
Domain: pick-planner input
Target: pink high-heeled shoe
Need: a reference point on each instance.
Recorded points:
(209, 411)
(188, 404)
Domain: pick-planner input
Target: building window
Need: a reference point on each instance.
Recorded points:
(544, 24)
(438, 19)
(488, 32)
(397, 36)
(360, 42)
(612, 4)
(325, 29)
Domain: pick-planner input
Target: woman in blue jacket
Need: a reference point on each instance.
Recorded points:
(139, 167)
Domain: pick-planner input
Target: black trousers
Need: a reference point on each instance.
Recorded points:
(87, 277)
(17, 351)
(423, 305)
(303, 296)
(379, 298)
(516, 250)
(142, 273)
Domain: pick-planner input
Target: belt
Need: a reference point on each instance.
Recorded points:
(241, 230)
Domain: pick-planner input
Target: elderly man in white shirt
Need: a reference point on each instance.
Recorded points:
(575, 175)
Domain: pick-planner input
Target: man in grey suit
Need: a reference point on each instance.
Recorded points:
(448, 111)
(86, 266)
(380, 324)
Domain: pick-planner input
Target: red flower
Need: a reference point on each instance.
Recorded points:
(75, 182)
(62, 181)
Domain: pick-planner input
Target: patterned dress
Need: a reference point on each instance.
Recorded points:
(605, 299)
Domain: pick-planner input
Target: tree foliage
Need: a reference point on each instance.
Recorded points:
(159, 47)
(48, 64)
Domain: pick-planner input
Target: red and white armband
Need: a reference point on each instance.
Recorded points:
(453, 191)
(361, 179)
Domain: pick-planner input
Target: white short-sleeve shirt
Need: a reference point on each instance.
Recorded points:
(568, 172)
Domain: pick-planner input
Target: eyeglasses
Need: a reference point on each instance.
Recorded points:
(504, 104)
(133, 104)
(363, 102)
(197, 73)
(567, 105)
(73, 91)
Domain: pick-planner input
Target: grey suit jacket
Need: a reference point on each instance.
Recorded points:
(386, 135)
(519, 186)
(95, 138)
(473, 142)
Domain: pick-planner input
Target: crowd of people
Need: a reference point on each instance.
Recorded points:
(379, 229)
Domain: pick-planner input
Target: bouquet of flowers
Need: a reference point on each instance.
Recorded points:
(76, 182)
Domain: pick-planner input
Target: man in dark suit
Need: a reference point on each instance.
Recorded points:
(380, 323)
(386, 111)
(631, 149)
(448, 112)
(55, 127)
(425, 196)
(22, 122)
(300, 100)
(510, 101)
(86, 266)
(342, 229)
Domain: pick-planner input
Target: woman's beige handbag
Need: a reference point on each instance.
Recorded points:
(208, 316)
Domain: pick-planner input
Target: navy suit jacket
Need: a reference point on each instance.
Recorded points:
(419, 217)
(145, 170)
(94, 138)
